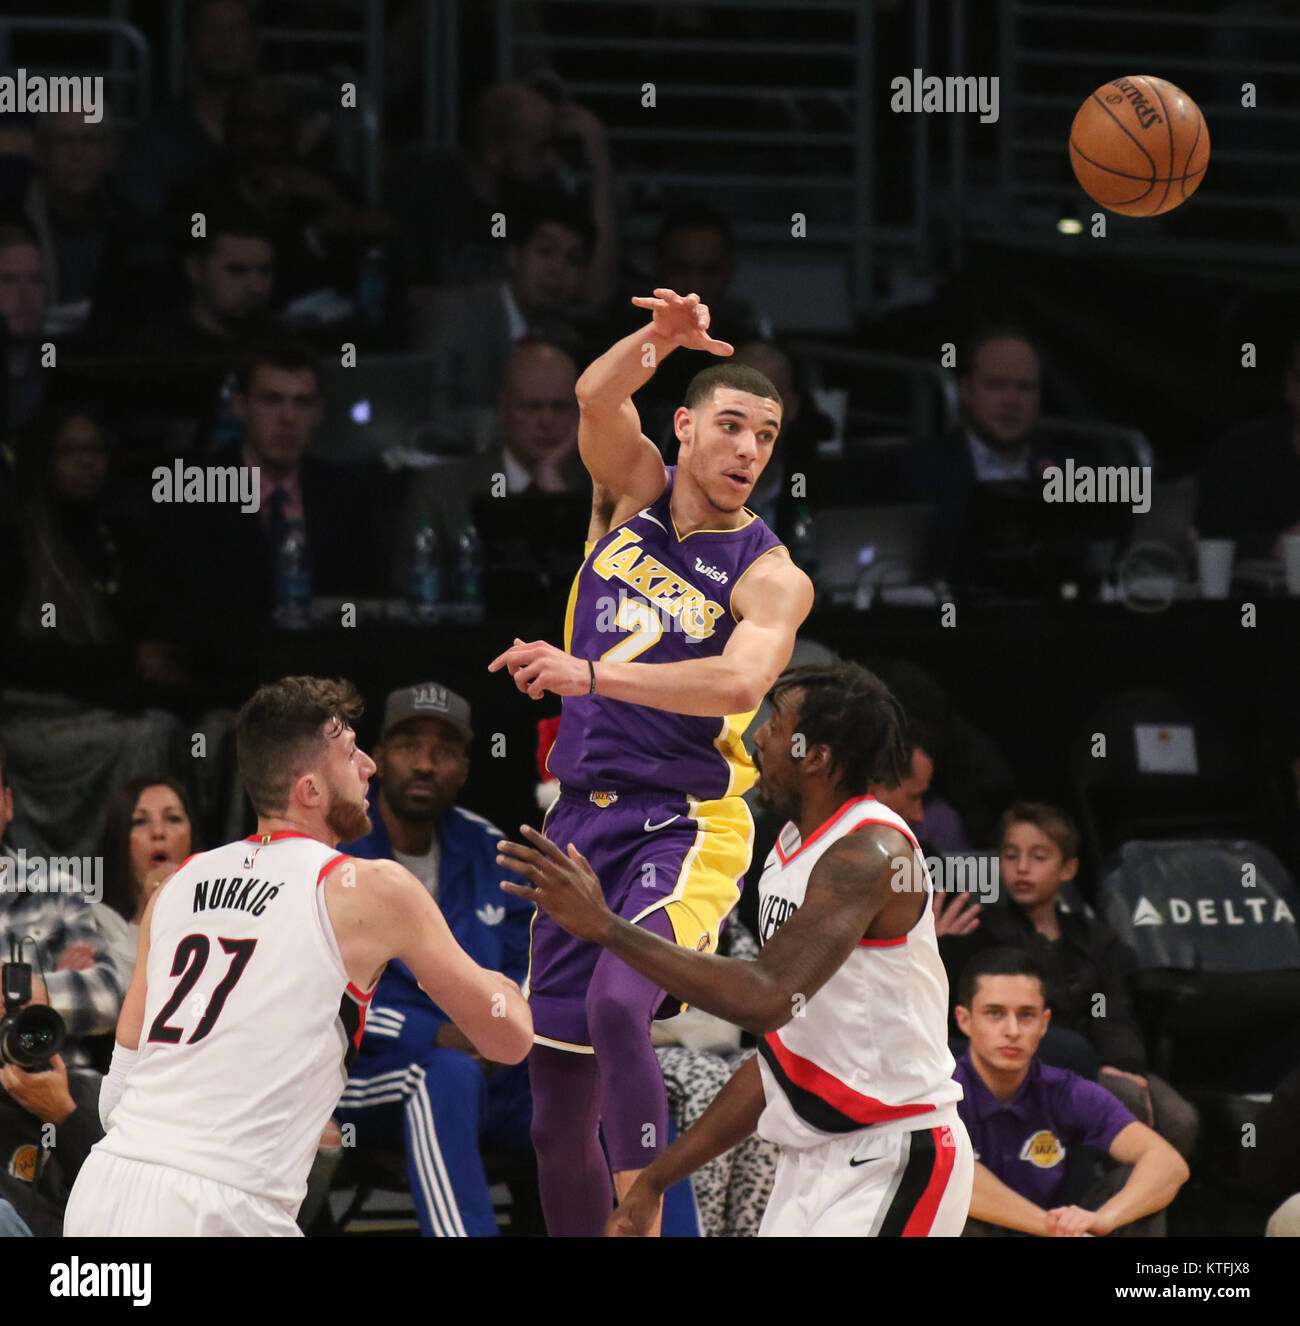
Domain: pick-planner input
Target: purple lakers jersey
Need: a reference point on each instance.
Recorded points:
(645, 595)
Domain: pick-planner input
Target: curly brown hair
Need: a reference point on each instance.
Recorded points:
(281, 730)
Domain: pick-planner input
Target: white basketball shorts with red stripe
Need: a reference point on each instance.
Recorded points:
(873, 1184)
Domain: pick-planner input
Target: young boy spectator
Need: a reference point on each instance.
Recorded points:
(1083, 959)
(1024, 1118)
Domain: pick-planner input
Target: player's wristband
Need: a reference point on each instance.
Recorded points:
(110, 1089)
(592, 667)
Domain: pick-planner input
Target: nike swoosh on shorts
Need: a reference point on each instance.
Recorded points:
(650, 828)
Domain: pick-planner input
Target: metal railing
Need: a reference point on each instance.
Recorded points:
(760, 166)
(119, 77)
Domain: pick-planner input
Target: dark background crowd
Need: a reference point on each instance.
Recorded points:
(389, 326)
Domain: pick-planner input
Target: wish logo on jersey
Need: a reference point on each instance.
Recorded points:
(692, 611)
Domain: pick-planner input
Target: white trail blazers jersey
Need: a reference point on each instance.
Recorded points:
(249, 1024)
(870, 1049)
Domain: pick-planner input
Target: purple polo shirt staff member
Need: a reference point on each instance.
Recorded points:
(1023, 1117)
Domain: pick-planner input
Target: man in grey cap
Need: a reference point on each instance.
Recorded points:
(417, 1081)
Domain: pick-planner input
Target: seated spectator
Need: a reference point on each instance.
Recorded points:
(22, 312)
(81, 222)
(1024, 1119)
(187, 134)
(41, 1165)
(1083, 958)
(1248, 488)
(230, 273)
(473, 330)
(224, 557)
(74, 973)
(537, 414)
(444, 204)
(148, 834)
(418, 1082)
(985, 477)
(319, 225)
(87, 565)
(184, 362)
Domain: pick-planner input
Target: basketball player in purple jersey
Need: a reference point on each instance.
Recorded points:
(680, 619)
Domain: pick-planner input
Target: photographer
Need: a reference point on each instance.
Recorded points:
(49, 1120)
(72, 969)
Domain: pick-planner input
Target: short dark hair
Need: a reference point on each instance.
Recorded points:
(851, 710)
(1051, 820)
(541, 207)
(998, 962)
(739, 377)
(3, 761)
(694, 216)
(115, 843)
(988, 332)
(230, 222)
(287, 353)
(279, 729)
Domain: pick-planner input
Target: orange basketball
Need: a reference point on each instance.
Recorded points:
(1139, 146)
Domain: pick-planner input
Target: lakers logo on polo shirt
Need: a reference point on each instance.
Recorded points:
(22, 1164)
(1043, 1149)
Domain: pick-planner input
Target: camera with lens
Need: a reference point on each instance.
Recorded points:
(29, 1037)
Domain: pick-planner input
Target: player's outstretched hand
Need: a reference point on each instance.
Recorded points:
(538, 667)
(565, 885)
(636, 1214)
(683, 320)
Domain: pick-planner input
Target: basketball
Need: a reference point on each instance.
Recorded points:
(1139, 146)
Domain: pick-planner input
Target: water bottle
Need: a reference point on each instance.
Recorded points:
(469, 572)
(293, 581)
(426, 577)
(803, 541)
(372, 286)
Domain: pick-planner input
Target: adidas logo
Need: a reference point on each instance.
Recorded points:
(491, 914)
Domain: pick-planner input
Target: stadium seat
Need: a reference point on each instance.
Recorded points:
(1213, 925)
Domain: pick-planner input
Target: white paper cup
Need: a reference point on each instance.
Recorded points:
(1214, 562)
(1291, 562)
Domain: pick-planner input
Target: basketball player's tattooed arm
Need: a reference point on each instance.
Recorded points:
(847, 890)
(772, 602)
